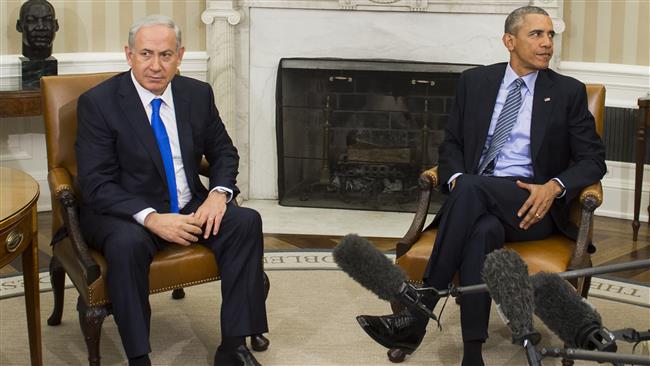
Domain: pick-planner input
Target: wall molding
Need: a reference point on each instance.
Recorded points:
(625, 84)
(618, 191)
(195, 64)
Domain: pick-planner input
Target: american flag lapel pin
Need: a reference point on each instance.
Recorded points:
(547, 99)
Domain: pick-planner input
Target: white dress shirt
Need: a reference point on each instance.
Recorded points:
(168, 116)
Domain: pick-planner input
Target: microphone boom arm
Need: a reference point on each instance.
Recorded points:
(578, 354)
(473, 289)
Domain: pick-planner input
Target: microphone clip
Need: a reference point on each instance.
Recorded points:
(598, 338)
(411, 297)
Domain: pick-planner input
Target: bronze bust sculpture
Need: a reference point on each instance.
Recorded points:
(38, 25)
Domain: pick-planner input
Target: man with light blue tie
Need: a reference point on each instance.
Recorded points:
(141, 138)
(519, 145)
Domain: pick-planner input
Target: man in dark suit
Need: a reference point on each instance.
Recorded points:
(141, 137)
(519, 145)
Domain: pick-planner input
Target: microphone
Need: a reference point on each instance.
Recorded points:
(568, 315)
(506, 276)
(369, 267)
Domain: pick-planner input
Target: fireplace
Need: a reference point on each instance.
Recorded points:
(357, 133)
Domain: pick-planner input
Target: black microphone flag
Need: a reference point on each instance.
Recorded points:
(568, 315)
(506, 276)
(369, 267)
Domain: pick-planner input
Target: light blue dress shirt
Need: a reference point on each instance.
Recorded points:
(514, 159)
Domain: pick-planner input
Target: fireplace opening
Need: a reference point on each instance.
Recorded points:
(356, 134)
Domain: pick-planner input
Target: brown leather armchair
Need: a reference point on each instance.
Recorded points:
(554, 254)
(85, 266)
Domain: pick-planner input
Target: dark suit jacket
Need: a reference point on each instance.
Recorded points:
(564, 142)
(119, 165)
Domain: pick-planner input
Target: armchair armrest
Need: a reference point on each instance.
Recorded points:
(591, 197)
(593, 192)
(59, 179)
(427, 182)
(74, 254)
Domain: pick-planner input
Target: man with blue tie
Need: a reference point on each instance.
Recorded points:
(141, 138)
(519, 145)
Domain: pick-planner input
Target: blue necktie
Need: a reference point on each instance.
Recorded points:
(165, 152)
(505, 123)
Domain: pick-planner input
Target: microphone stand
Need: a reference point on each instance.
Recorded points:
(532, 355)
(578, 354)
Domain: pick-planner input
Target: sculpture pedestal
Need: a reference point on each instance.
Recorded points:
(32, 70)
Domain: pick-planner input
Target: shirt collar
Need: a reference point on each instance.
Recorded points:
(146, 96)
(529, 79)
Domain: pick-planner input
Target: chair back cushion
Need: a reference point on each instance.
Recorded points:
(59, 97)
(596, 104)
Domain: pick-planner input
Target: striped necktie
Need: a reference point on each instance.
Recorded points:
(165, 152)
(506, 121)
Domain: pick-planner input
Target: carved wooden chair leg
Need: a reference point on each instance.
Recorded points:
(259, 343)
(586, 285)
(57, 279)
(565, 361)
(177, 294)
(267, 285)
(396, 355)
(91, 320)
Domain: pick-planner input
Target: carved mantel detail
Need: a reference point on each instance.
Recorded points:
(412, 5)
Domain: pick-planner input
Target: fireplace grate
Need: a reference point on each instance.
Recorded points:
(357, 133)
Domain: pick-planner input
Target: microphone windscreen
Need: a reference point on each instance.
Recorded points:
(563, 311)
(368, 266)
(506, 276)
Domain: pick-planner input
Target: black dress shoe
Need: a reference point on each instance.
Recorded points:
(239, 356)
(402, 330)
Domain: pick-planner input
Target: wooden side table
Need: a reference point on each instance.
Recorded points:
(644, 122)
(20, 103)
(18, 235)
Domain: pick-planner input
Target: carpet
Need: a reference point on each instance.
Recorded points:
(311, 319)
(316, 259)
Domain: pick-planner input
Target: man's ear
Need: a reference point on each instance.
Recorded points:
(19, 26)
(508, 41)
(128, 54)
(56, 25)
(181, 52)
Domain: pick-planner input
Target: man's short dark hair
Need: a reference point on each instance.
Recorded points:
(514, 19)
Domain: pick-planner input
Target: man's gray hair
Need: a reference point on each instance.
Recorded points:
(155, 19)
(514, 19)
